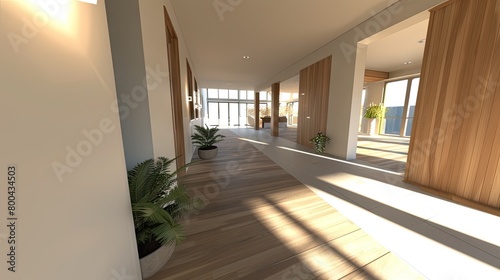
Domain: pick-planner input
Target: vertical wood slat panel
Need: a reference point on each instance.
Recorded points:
(275, 108)
(483, 137)
(470, 119)
(444, 99)
(455, 145)
(448, 147)
(257, 111)
(314, 88)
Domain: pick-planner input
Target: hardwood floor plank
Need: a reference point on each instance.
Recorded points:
(387, 267)
(259, 222)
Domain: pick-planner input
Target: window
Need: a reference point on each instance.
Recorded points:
(233, 94)
(213, 93)
(233, 108)
(399, 100)
(394, 102)
(243, 94)
(223, 94)
(229, 107)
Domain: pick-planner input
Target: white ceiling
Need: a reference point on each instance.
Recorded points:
(390, 53)
(276, 34)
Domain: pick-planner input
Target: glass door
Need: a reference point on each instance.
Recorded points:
(394, 102)
(213, 113)
(400, 98)
(223, 114)
(412, 101)
(234, 114)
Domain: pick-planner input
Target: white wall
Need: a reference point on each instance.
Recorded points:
(346, 78)
(374, 94)
(160, 99)
(405, 72)
(130, 75)
(183, 57)
(57, 88)
(138, 37)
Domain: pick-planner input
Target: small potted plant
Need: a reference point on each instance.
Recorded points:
(373, 113)
(157, 204)
(320, 140)
(205, 139)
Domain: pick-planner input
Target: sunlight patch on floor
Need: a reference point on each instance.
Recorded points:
(411, 202)
(253, 141)
(337, 160)
(315, 257)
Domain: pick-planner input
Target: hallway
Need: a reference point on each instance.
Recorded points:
(262, 223)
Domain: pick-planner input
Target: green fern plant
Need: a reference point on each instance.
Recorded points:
(375, 111)
(157, 203)
(206, 137)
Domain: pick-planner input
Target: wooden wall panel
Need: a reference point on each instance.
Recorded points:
(375, 76)
(314, 88)
(455, 145)
(176, 92)
(190, 93)
(275, 108)
(257, 111)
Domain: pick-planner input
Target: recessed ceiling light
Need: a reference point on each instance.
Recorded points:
(421, 41)
(246, 57)
(407, 62)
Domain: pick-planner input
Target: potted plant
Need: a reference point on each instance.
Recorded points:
(157, 203)
(373, 113)
(320, 140)
(205, 139)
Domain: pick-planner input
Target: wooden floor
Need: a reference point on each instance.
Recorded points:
(259, 222)
(385, 152)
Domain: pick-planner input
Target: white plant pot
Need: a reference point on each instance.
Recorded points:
(207, 154)
(371, 127)
(155, 261)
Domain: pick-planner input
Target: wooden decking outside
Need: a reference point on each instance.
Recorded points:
(259, 222)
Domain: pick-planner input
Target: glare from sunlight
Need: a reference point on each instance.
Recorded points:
(89, 1)
(45, 13)
(253, 141)
(315, 256)
(338, 160)
(411, 202)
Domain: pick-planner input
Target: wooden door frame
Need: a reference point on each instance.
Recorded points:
(175, 89)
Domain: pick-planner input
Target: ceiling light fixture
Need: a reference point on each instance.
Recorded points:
(246, 57)
(407, 62)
